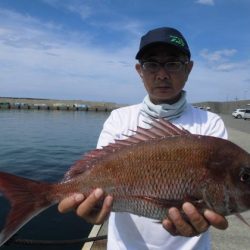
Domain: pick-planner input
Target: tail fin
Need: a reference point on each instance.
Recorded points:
(27, 198)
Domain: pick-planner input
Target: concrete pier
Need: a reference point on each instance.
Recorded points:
(237, 234)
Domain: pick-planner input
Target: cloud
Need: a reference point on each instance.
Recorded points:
(37, 60)
(69, 71)
(217, 55)
(205, 2)
(218, 85)
(99, 14)
(25, 31)
(80, 8)
(222, 60)
(44, 60)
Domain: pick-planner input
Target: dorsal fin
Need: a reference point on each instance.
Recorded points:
(160, 128)
(84, 164)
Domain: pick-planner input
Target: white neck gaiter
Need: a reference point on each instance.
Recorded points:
(167, 111)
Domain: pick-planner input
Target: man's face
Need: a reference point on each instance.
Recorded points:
(164, 83)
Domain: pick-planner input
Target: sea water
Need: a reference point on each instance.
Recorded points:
(42, 145)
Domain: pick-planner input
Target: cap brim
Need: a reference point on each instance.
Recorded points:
(145, 48)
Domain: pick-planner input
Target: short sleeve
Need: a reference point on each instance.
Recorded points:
(109, 131)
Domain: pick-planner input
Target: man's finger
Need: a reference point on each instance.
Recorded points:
(199, 223)
(182, 227)
(169, 226)
(70, 203)
(216, 220)
(85, 208)
(106, 208)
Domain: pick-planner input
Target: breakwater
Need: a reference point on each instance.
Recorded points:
(49, 104)
(80, 105)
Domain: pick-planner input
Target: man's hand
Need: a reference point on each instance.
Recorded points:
(86, 208)
(175, 224)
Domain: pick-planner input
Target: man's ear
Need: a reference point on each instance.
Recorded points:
(189, 67)
(138, 68)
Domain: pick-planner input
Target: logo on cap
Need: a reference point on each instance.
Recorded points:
(177, 40)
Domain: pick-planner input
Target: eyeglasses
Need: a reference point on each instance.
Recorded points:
(154, 67)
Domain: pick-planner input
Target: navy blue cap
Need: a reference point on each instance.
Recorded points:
(164, 35)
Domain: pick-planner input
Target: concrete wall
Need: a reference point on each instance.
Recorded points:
(224, 107)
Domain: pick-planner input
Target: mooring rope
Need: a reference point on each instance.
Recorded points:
(53, 242)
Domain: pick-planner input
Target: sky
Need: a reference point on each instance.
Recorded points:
(85, 49)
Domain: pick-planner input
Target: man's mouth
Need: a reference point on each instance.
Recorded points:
(164, 87)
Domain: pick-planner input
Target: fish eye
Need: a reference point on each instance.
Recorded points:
(245, 175)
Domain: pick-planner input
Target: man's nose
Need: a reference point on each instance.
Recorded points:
(163, 73)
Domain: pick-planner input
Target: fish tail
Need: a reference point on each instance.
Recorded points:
(27, 199)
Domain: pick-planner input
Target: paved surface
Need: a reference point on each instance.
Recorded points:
(238, 124)
(237, 235)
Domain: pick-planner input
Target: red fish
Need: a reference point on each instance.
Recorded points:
(146, 174)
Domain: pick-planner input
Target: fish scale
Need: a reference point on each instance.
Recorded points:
(147, 173)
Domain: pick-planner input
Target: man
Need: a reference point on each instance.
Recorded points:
(164, 66)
